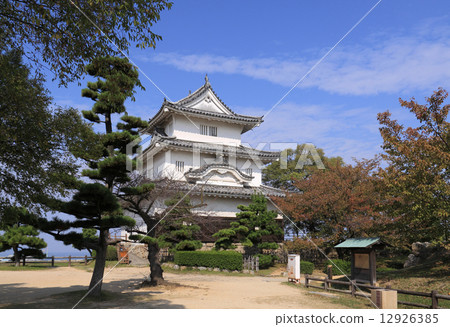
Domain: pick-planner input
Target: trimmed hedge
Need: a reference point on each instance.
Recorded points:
(306, 267)
(265, 260)
(111, 253)
(345, 266)
(230, 260)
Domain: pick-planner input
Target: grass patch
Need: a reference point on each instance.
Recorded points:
(37, 266)
(8, 266)
(348, 301)
(433, 275)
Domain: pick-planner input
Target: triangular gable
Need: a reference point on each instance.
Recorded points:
(205, 99)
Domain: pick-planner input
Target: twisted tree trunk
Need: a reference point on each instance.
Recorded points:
(95, 286)
(156, 271)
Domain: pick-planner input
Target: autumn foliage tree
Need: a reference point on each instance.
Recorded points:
(417, 177)
(336, 203)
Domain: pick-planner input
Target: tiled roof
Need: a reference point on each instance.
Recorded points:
(234, 116)
(214, 148)
(181, 107)
(233, 191)
(199, 171)
(199, 92)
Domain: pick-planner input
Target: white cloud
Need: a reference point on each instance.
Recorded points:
(419, 61)
(327, 127)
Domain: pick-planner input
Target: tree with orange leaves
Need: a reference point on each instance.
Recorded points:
(417, 177)
(339, 202)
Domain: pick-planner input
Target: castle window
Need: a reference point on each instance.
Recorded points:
(180, 166)
(212, 131)
(208, 130)
(249, 171)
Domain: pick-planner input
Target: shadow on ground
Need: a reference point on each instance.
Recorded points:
(15, 296)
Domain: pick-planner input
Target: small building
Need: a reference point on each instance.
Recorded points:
(364, 266)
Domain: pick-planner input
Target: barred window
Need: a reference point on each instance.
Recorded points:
(212, 131)
(249, 171)
(208, 130)
(180, 166)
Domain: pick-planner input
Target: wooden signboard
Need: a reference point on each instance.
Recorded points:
(362, 260)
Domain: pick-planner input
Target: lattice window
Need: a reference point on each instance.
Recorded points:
(212, 131)
(180, 166)
(203, 129)
(249, 171)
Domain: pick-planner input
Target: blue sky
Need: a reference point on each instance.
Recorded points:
(254, 51)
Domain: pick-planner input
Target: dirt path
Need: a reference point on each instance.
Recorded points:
(183, 291)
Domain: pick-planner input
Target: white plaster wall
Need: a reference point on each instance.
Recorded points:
(227, 133)
(226, 207)
(242, 164)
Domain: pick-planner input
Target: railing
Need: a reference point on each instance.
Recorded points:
(51, 260)
(327, 282)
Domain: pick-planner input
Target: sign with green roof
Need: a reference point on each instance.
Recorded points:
(358, 243)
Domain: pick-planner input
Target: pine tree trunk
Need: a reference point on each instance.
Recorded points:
(156, 271)
(16, 256)
(99, 268)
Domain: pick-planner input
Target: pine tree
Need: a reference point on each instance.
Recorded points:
(21, 238)
(253, 223)
(178, 230)
(94, 205)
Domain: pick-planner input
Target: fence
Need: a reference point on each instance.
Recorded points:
(165, 255)
(250, 263)
(327, 282)
(51, 260)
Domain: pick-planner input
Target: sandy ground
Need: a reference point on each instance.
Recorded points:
(183, 290)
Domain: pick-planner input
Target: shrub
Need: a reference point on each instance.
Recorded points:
(306, 267)
(230, 260)
(111, 253)
(396, 264)
(345, 267)
(265, 260)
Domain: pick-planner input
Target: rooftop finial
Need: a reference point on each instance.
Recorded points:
(206, 79)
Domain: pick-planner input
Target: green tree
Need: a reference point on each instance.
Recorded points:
(66, 35)
(178, 230)
(276, 175)
(417, 177)
(35, 140)
(254, 222)
(21, 238)
(94, 205)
